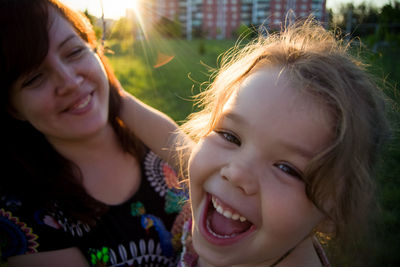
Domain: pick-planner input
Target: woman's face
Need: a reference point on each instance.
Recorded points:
(66, 97)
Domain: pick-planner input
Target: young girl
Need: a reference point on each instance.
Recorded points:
(286, 145)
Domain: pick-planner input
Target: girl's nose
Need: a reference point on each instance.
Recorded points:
(242, 176)
(67, 80)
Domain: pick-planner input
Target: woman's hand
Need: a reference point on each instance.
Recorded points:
(60, 258)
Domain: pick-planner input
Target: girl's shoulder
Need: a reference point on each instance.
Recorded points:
(321, 252)
(188, 257)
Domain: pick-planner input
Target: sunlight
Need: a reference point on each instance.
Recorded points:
(138, 9)
(118, 8)
(123, 5)
(132, 4)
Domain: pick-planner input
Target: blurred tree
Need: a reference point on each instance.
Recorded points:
(122, 30)
(358, 20)
(94, 21)
(198, 32)
(389, 23)
(365, 20)
(245, 32)
(169, 28)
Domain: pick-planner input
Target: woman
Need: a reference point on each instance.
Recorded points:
(80, 187)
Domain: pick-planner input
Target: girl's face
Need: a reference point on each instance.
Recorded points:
(248, 197)
(66, 97)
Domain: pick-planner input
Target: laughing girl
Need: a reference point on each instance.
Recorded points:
(287, 141)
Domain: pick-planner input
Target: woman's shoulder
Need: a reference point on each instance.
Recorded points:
(162, 176)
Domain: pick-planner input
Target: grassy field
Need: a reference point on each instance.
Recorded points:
(170, 86)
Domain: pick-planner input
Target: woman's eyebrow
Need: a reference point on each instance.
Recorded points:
(72, 36)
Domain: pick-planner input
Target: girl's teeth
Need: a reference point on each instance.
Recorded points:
(219, 209)
(227, 213)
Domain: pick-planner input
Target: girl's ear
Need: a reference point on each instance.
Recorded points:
(327, 226)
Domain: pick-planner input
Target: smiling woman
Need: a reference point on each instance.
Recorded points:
(81, 188)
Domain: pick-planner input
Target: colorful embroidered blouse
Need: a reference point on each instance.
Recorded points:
(143, 231)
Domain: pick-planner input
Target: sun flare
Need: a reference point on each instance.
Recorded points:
(118, 8)
(130, 4)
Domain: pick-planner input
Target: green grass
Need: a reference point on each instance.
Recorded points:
(169, 87)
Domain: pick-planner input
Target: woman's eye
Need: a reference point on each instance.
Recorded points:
(76, 52)
(286, 168)
(231, 138)
(33, 80)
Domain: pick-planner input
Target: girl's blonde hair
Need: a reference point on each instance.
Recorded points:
(318, 63)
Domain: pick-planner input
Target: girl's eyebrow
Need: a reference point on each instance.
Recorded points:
(292, 146)
(235, 117)
(72, 36)
(298, 149)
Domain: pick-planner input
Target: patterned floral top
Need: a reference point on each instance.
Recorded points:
(143, 231)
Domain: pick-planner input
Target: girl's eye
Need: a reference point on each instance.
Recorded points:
(33, 80)
(286, 168)
(231, 138)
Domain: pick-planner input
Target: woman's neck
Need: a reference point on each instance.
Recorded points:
(110, 174)
(89, 148)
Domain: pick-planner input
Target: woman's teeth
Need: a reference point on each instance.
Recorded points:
(225, 212)
(83, 103)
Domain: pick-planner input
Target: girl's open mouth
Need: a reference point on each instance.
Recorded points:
(221, 224)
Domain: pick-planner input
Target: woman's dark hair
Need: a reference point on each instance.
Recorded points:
(33, 169)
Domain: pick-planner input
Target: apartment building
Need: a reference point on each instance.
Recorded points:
(219, 19)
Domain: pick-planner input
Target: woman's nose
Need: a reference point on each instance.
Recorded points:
(67, 79)
(241, 175)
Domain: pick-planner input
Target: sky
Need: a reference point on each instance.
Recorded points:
(116, 8)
